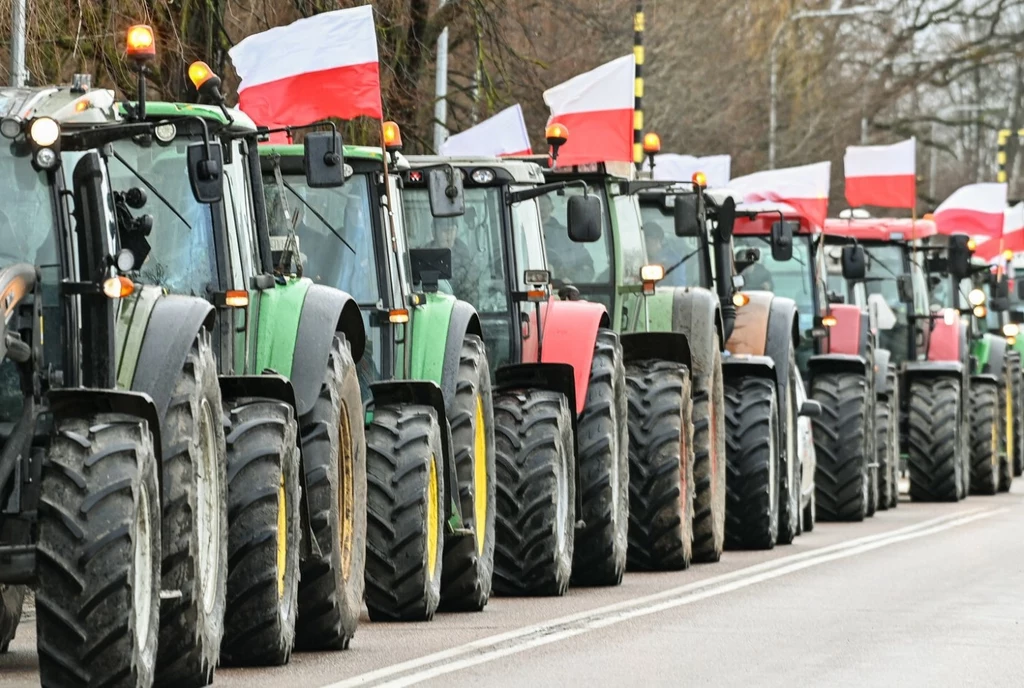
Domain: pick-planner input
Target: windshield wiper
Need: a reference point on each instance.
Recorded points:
(683, 260)
(319, 216)
(151, 188)
(880, 262)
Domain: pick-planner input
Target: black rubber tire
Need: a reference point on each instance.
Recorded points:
(896, 406)
(810, 515)
(99, 478)
(1017, 375)
(753, 439)
(661, 482)
(1006, 427)
(934, 441)
(468, 568)
(886, 419)
(405, 492)
(263, 467)
(789, 465)
(709, 462)
(12, 598)
(984, 437)
(333, 444)
(599, 557)
(841, 478)
(191, 628)
(533, 447)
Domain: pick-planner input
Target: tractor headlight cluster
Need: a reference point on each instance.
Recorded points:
(1011, 330)
(976, 297)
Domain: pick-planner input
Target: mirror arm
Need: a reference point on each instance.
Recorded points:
(635, 187)
(535, 192)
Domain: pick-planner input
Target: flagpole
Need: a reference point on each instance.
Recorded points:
(638, 85)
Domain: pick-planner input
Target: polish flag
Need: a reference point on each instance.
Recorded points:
(322, 66)
(975, 209)
(502, 134)
(597, 108)
(883, 176)
(1012, 237)
(805, 188)
(680, 168)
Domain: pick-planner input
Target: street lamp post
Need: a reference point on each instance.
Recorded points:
(773, 76)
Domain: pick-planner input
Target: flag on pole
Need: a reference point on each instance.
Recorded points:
(975, 209)
(502, 134)
(883, 176)
(1012, 237)
(680, 168)
(597, 109)
(804, 188)
(322, 66)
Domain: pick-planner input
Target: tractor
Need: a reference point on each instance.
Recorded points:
(559, 379)
(928, 348)
(424, 376)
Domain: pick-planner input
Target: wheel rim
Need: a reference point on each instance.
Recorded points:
(142, 583)
(480, 478)
(433, 522)
(208, 513)
(562, 507)
(346, 491)
(282, 538)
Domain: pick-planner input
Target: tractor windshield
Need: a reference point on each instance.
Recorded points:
(587, 266)
(886, 263)
(680, 256)
(27, 229)
(183, 257)
(792, 279)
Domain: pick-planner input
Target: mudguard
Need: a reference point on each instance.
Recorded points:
(847, 363)
(276, 387)
(79, 401)
(986, 377)
(464, 320)
(944, 341)
(170, 332)
(783, 330)
(666, 346)
(569, 336)
(697, 314)
(996, 356)
(744, 365)
(882, 358)
(325, 312)
(921, 368)
(849, 336)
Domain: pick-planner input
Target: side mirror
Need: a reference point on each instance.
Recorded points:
(810, 409)
(1001, 288)
(206, 171)
(905, 287)
(999, 304)
(782, 240)
(584, 218)
(687, 216)
(324, 158)
(430, 266)
(1020, 289)
(726, 219)
(854, 262)
(446, 195)
(959, 256)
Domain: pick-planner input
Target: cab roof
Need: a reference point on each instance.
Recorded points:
(767, 213)
(521, 171)
(358, 152)
(880, 229)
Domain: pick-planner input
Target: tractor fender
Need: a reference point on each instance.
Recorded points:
(783, 331)
(882, 358)
(996, 356)
(423, 393)
(80, 401)
(697, 314)
(914, 369)
(985, 377)
(276, 387)
(325, 312)
(569, 336)
(665, 346)
(748, 365)
(849, 336)
(464, 320)
(944, 341)
(170, 332)
(845, 363)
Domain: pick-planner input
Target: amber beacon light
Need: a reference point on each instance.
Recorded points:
(141, 44)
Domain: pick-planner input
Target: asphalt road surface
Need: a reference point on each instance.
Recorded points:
(926, 595)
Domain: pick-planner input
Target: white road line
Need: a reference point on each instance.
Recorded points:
(522, 639)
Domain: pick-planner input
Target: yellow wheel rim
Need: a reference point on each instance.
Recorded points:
(480, 478)
(346, 492)
(1009, 423)
(433, 520)
(282, 538)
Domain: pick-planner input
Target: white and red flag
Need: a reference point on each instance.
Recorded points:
(680, 168)
(883, 176)
(1012, 237)
(975, 209)
(597, 109)
(322, 66)
(804, 188)
(502, 134)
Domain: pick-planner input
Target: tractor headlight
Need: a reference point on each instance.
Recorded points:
(1011, 330)
(976, 297)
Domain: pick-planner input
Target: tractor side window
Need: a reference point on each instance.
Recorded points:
(580, 264)
(527, 233)
(630, 236)
(680, 256)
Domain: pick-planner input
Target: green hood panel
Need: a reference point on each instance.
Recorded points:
(132, 320)
(430, 324)
(278, 326)
(981, 349)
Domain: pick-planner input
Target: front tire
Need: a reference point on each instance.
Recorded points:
(12, 598)
(887, 449)
(935, 443)
(984, 438)
(841, 444)
(709, 461)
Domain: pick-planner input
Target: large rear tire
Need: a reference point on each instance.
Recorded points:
(405, 505)
(264, 524)
(661, 482)
(886, 420)
(1007, 427)
(195, 524)
(599, 557)
(935, 443)
(333, 446)
(752, 424)
(790, 470)
(841, 480)
(1017, 375)
(709, 462)
(985, 442)
(98, 607)
(468, 568)
(536, 505)
(12, 598)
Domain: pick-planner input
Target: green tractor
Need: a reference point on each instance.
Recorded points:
(425, 378)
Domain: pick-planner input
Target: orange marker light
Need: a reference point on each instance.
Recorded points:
(739, 299)
(392, 137)
(398, 315)
(829, 321)
(141, 43)
(556, 134)
(700, 179)
(199, 73)
(236, 298)
(652, 143)
(118, 287)
(1008, 254)
(972, 244)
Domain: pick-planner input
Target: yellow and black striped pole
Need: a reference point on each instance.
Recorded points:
(638, 85)
(1001, 142)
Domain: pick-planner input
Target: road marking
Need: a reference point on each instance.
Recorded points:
(522, 639)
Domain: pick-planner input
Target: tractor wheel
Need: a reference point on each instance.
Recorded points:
(886, 418)
(98, 607)
(895, 407)
(754, 438)
(1007, 426)
(12, 597)
(468, 567)
(709, 462)
(599, 557)
(264, 528)
(810, 515)
(405, 505)
(790, 478)
(935, 442)
(1017, 375)
(841, 481)
(195, 524)
(334, 461)
(661, 483)
(536, 505)
(985, 440)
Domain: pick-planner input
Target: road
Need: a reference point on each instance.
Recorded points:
(926, 595)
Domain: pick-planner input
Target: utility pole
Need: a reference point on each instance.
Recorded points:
(441, 88)
(18, 43)
(638, 85)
